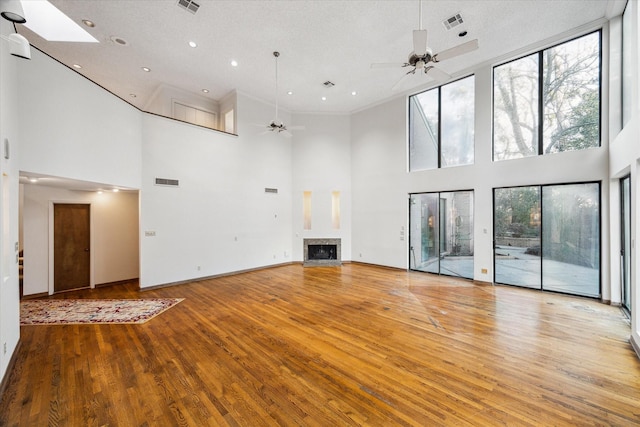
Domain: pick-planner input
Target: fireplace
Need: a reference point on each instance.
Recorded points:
(320, 252)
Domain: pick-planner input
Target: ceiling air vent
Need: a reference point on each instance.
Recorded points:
(271, 190)
(452, 22)
(189, 5)
(167, 182)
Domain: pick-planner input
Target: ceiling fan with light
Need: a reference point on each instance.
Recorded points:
(422, 58)
(277, 125)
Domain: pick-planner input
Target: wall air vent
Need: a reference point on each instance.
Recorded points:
(452, 22)
(271, 190)
(167, 182)
(189, 5)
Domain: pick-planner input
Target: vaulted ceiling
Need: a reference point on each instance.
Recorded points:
(319, 41)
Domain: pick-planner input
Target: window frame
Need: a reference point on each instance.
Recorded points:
(541, 197)
(439, 127)
(540, 81)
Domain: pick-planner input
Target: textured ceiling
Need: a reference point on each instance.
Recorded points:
(319, 40)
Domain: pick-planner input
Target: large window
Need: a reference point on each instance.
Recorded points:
(548, 237)
(441, 233)
(549, 101)
(441, 126)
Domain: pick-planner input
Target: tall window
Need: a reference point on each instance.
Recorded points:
(549, 101)
(548, 237)
(627, 61)
(441, 126)
(441, 233)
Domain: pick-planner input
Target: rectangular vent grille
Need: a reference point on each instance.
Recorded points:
(453, 22)
(189, 5)
(271, 190)
(168, 182)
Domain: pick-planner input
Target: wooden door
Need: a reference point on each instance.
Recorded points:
(71, 243)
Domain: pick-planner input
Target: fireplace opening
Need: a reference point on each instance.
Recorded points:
(318, 252)
(321, 252)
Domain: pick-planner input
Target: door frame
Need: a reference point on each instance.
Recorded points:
(92, 283)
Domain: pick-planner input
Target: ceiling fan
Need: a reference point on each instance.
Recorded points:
(276, 125)
(422, 58)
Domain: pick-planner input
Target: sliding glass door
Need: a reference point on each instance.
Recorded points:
(517, 236)
(625, 235)
(441, 233)
(548, 237)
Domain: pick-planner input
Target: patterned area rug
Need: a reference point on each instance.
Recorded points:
(91, 311)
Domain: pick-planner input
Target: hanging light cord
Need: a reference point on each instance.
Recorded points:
(276, 54)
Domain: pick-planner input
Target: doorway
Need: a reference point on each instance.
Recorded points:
(71, 246)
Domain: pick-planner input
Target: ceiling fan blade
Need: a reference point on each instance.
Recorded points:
(402, 80)
(419, 42)
(286, 134)
(389, 64)
(296, 128)
(437, 74)
(456, 50)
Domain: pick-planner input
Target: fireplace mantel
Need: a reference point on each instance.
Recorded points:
(324, 252)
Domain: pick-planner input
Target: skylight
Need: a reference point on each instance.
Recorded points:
(50, 23)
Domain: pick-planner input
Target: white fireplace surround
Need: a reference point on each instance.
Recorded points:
(322, 262)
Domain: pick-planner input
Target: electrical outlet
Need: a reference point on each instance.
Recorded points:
(150, 233)
(483, 271)
(198, 268)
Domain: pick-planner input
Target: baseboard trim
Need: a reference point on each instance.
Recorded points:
(118, 282)
(10, 367)
(635, 345)
(34, 296)
(375, 265)
(215, 276)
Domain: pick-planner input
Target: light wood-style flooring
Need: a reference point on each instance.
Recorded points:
(333, 346)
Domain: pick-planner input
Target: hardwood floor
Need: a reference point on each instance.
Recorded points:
(333, 346)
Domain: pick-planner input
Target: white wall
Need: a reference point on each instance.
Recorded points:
(114, 234)
(219, 219)
(381, 182)
(72, 128)
(624, 158)
(9, 200)
(322, 165)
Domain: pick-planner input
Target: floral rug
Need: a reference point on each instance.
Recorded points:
(92, 311)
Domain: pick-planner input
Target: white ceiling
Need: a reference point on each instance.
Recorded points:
(319, 40)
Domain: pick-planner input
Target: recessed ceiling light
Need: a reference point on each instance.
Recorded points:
(205, 90)
(234, 63)
(290, 92)
(119, 40)
(88, 23)
(324, 98)
(146, 69)
(78, 66)
(115, 190)
(354, 93)
(193, 44)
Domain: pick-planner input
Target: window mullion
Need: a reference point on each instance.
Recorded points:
(439, 127)
(540, 103)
